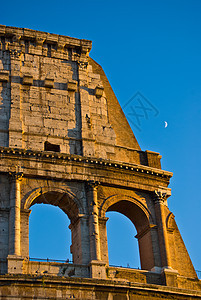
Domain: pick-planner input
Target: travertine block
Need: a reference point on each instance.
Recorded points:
(15, 264)
(99, 91)
(27, 80)
(4, 76)
(72, 85)
(49, 82)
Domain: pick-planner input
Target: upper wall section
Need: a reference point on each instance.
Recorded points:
(54, 97)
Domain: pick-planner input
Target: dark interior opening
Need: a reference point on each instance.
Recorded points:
(51, 147)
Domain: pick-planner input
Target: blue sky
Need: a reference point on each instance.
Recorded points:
(153, 47)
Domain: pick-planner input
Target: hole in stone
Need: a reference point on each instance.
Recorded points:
(26, 43)
(51, 147)
(49, 48)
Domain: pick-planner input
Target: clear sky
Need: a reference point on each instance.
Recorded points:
(151, 47)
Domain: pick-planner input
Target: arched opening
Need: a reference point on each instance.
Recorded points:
(122, 245)
(141, 218)
(63, 200)
(49, 235)
(68, 207)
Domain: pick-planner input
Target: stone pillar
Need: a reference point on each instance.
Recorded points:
(147, 249)
(84, 228)
(24, 239)
(14, 217)
(15, 121)
(80, 247)
(168, 275)
(88, 140)
(93, 221)
(103, 239)
(160, 201)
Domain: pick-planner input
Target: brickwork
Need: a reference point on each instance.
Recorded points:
(64, 141)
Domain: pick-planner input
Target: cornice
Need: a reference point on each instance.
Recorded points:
(17, 36)
(47, 155)
(85, 283)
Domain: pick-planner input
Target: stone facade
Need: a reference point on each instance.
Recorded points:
(65, 141)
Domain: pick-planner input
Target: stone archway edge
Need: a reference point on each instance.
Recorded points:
(119, 197)
(42, 190)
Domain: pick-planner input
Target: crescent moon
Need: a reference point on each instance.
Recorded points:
(166, 124)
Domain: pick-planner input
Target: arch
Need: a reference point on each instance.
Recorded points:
(129, 206)
(63, 198)
(141, 217)
(170, 222)
(71, 205)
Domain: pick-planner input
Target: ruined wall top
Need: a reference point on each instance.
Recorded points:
(20, 35)
(54, 97)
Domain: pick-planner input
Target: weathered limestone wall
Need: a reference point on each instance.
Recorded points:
(68, 178)
(52, 91)
(64, 141)
(30, 287)
(179, 254)
(4, 222)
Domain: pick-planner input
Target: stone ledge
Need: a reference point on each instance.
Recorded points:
(103, 284)
(145, 170)
(20, 34)
(4, 76)
(99, 91)
(49, 82)
(72, 85)
(27, 80)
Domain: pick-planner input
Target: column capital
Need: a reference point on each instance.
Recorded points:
(82, 65)
(160, 196)
(92, 184)
(16, 176)
(40, 41)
